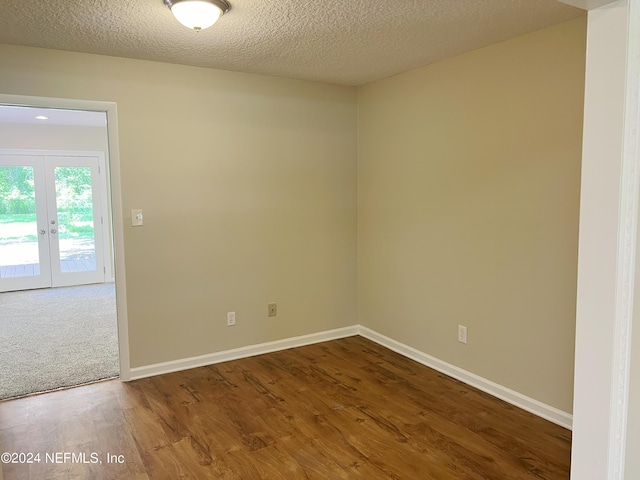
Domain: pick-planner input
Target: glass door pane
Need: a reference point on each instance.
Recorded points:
(75, 215)
(76, 232)
(24, 261)
(19, 255)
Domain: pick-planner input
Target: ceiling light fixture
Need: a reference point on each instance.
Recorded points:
(42, 117)
(197, 14)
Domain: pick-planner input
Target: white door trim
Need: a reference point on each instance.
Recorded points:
(116, 199)
(608, 238)
(627, 240)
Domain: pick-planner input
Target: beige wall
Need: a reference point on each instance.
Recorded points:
(248, 186)
(469, 181)
(52, 137)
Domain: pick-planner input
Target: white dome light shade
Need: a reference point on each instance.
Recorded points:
(197, 14)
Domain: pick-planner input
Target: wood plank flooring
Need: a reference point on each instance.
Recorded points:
(345, 409)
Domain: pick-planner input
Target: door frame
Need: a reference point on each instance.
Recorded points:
(103, 195)
(113, 171)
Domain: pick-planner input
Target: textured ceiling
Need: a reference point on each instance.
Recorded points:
(350, 42)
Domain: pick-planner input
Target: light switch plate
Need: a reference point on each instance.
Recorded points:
(462, 334)
(136, 218)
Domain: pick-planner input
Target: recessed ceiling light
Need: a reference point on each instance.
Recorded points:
(42, 117)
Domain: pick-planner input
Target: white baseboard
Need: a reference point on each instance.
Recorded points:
(242, 352)
(531, 405)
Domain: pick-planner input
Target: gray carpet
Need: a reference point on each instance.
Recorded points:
(57, 337)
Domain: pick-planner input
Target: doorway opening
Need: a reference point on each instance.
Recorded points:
(57, 293)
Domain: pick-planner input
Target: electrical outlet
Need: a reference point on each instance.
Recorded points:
(231, 319)
(462, 334)
(273, 309)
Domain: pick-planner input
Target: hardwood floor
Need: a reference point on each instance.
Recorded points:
(343, 409)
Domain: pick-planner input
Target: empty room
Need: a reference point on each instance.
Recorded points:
(348, 239)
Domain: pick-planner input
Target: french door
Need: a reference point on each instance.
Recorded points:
(50, 221)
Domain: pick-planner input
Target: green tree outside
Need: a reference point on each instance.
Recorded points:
(18, 206)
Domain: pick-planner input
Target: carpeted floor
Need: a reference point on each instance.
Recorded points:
(57, 337)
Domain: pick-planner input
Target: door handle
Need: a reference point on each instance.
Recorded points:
(53, 230)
